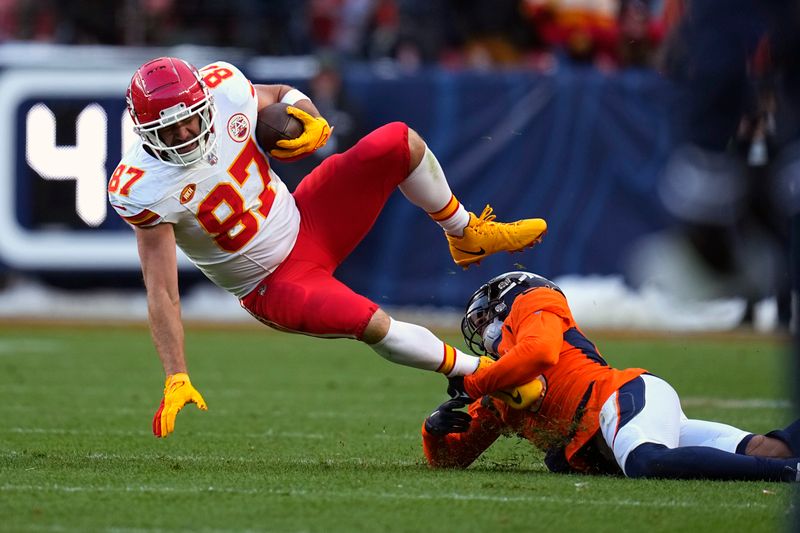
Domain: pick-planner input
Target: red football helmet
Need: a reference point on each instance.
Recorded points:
(165, 91)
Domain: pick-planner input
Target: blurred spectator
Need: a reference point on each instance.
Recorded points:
(639, 34)
(153, 17)
(730, 184)
(8, 19)
(671, 13)
(489, 33)
(460, 33)
(323, 19)
(383, 29)
(355, 28)
(606, 33)
(91, 22)
(583, 30)
(29, 20)
(424, 31)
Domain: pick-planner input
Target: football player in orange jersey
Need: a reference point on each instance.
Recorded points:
(198, 179)
(550, 385)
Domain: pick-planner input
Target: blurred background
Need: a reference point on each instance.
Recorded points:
(657, 137)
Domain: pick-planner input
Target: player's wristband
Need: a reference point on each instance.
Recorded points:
(294, 96)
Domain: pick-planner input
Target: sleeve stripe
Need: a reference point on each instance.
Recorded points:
(143, 218)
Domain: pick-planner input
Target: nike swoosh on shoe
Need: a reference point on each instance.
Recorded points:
(471, 252)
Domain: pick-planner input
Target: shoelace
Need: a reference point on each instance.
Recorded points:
(487, 215)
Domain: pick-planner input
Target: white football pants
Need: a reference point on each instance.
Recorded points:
(648, 409)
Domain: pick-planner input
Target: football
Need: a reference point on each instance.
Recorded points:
(275, 124)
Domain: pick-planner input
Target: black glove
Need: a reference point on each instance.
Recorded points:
(455, 389)
(447, 419)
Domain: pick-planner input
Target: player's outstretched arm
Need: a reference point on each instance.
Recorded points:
(454, 439)
(178, 391)
(160, 269)
(517, 397)
(538, 345)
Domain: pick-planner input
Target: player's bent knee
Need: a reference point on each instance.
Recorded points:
(388, 140)
(416, 148)
(377, 328)
(643, 461)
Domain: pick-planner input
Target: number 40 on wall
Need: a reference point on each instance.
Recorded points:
(84, 162)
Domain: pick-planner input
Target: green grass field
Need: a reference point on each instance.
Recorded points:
(305, 434)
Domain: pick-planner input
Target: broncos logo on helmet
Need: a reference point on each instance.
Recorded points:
(493, 300)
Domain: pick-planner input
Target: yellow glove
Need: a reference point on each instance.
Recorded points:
(483, 362)
(178, 391)
(525, 396)
(315, 134)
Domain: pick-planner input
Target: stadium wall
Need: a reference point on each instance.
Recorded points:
(577, 147)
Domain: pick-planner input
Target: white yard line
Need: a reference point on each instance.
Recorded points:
(121, 529)
(735, 403)
(688, 401)
(112, 529)
(266, 434)
(272, 413)
(100, 456)
(372, 495)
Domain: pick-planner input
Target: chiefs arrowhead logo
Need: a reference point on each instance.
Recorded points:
(188, 193)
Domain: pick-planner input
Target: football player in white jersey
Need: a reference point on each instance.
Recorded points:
(197, 178)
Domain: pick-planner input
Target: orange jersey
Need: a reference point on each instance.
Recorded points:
(540, 336)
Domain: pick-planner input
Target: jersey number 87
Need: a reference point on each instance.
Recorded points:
(240, 225)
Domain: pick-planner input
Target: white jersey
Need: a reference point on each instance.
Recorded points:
(232, 215)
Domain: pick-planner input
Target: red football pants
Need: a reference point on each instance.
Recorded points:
(338, 202)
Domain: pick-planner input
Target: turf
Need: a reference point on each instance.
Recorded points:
(305, 434)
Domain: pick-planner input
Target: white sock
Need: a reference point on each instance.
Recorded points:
(427, 187)
(415, 346)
